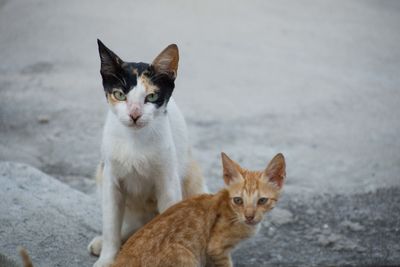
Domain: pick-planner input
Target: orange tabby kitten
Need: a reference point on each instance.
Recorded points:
(203, 230)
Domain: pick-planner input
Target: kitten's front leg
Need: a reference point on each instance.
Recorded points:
(113, 202)
(168, 189)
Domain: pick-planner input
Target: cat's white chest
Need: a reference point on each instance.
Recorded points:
(130, 157)
(137, 158)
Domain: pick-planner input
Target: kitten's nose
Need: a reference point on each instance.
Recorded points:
(249, 217)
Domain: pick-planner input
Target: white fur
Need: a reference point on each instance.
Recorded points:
(135, 102)
(143, 161)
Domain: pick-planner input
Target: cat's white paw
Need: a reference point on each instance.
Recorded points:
(104, 262)
(94, 246)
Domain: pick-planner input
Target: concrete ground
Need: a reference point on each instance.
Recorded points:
(316, 80)
(50, 220)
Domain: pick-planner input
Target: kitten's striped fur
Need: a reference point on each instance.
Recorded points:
(203, 230)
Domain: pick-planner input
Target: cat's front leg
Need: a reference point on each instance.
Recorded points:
(113, 202)
(168, 189)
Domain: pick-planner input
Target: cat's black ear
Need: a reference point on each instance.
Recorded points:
(110, 62)
(167, 61)
(275, 172)
(231, 170)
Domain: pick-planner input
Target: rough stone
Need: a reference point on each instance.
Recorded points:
(43, 119)
(280, 216)
(352, 226)
(326, 240)
(339, 242)
(51, 220)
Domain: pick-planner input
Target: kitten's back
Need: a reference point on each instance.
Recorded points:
(180, 233)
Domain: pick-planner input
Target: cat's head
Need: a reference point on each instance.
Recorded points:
(138, 93)
(253, 193)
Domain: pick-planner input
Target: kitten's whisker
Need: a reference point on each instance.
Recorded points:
(233, 220)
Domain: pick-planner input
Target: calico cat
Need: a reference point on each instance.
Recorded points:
(203, 230)
(146, 162)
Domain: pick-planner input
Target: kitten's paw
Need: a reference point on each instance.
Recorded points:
(94, 246)
(104, 262)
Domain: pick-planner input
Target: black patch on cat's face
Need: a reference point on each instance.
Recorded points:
(164, 82)
(124, 75)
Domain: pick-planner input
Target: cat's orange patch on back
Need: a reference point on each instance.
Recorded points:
(193, 180)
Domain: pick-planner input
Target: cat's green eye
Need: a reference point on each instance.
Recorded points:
(238, 200)
(152, 97)
(119, 95)
(262, 201)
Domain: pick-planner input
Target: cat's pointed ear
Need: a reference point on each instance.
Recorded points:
(167, 61)
(110, 62)
(275, 173)
(231, 170)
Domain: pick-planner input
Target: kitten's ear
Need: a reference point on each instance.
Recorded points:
(167, 61)
(110, 62)
(276, 171)
(231, 170)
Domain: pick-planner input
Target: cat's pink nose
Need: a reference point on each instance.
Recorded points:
(135, 112)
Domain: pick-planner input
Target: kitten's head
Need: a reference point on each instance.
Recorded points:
(138, 92)
(253, 193)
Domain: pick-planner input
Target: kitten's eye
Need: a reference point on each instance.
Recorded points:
(262, 201)
(152, 97)
(238, 200)
(120, 96)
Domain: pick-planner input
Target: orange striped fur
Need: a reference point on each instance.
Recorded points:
(203, 230)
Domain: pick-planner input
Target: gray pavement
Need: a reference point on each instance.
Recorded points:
(50, 220)
(316, 80)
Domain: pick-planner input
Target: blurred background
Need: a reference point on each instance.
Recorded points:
(318, 81)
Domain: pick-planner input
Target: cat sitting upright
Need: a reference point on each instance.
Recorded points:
(146, 163)
(203, 230)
